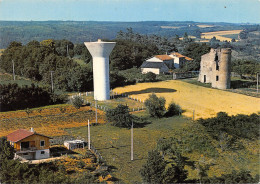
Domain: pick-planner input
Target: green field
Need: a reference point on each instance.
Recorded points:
(114, 145)
(235, 36)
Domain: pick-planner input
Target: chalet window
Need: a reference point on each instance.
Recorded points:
(25, 153)
(217, 78)
(42, 143)
(42, 152)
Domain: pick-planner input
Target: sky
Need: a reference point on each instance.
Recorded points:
(234, 11)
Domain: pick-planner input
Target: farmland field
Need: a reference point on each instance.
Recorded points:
(204, 26)
(206, 102)
(220, 35)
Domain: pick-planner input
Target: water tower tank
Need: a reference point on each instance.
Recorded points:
(100, 52)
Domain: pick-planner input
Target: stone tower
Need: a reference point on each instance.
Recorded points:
(215, 68)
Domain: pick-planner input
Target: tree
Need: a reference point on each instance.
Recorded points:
(150, 77)
(77, 102)
(152, 171)
(6, 150)
(173, 109)
(155, 106)
(14, 44)
(28, 111)
(241, 176)
(120, 116)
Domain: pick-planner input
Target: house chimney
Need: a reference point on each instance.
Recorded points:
(31, 130)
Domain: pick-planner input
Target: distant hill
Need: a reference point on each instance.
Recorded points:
(80, 31)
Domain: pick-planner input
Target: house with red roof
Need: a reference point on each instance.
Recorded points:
(179, 59)
(29, 145)
(164, 63)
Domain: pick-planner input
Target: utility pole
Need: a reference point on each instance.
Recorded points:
(13, 70)
(96, 109)
(88, 135)
(257, 81)
(193, 115)
(67, 50)
(132, 141)
(52, 81)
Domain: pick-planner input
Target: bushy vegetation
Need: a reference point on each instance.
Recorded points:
(245, 67)
(155, 105)
(165, 165)
(173, 109)
(14, 97)
(120, 116)
(77, 102)
(238, 126)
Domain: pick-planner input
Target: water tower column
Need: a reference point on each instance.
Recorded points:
(101, 78)
(100, 52)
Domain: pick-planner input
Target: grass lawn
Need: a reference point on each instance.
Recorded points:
(113, 103)
(114, 144)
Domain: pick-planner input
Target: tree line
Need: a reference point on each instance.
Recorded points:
(14, 97)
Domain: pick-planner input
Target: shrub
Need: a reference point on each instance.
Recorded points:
(173, 109)
(120, 116)
(77, 102)
(155, 106)
(150, 77)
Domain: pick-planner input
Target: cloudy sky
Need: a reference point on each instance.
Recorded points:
(237, 11)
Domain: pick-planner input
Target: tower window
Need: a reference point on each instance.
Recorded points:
(217, 78)
(217, 65)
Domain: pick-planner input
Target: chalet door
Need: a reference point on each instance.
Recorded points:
(25, 144)
(205, 78)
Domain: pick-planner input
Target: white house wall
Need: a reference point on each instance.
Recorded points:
(154, 70)
(154, 59)
(39, 156)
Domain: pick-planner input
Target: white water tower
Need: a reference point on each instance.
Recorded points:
(100, 52)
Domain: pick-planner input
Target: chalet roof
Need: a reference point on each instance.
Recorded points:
(180, 55)
(21, 134)
(163, 57)
(152, 64)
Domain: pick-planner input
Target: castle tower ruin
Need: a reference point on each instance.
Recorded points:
(215, 68)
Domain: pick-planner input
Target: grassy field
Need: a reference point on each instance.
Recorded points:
(114, 145)
(235, 36)
(206, 102)
(220, 35)
(6, 78)
(48, 120)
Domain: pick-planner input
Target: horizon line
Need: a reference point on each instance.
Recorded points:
(128, 21)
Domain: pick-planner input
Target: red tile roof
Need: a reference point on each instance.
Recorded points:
(180, 55)
(20, 134)
(163, 57)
